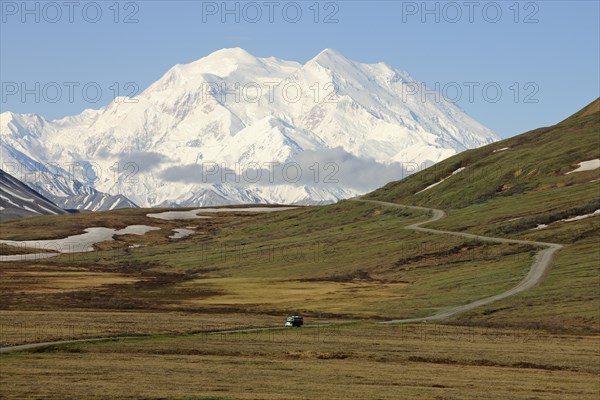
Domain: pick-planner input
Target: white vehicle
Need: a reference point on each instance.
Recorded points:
(294, 321)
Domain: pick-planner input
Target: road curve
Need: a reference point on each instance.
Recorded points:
(31, 346)
(541, 265)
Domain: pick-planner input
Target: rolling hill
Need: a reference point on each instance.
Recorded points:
(540, 161)
(542, 185)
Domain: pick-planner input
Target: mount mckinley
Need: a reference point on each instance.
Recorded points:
(233, 128)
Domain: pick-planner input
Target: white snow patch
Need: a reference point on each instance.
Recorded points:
(139, 230)
(78, 243)
(30, 209)
(502, 149)
(9, 201)
(181, 233)
(173, 215)
(588, 165)
(7, 190)
(47, 209)
(580, 217)
(27, 257)
(116, 203)
(245, 209)
(437, 183)
(572, 219)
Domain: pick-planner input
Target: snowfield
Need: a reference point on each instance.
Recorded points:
(181, 233)
(232, 128)
(438, 182)
(193, 214)
(73, 244)
(572, 219)
(589, 165)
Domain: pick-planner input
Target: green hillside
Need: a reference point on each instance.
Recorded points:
(522, 166)
(511, 187)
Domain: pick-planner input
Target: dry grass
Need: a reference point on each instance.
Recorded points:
(19, 327)
(6, 249)
(330, 297)
(362, 362)
(59, 281)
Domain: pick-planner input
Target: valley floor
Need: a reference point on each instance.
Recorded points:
(360, 361)
(352, 265)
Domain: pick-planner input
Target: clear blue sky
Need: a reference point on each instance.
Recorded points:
(550, 49)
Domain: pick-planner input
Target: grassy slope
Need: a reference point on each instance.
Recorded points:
(350, 259)
(509, 192)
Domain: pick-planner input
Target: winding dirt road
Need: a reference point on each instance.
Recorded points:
(540, 266)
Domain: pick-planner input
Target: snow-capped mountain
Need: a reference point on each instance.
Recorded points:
(234, 128)
(18, 200)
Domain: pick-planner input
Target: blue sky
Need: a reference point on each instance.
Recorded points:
(544, 56)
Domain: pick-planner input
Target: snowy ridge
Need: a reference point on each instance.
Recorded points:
(17, 200)
(58, 185)
(348, 127)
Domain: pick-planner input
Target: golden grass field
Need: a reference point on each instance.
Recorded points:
(360, 361)
(170, 302)
(19, 327)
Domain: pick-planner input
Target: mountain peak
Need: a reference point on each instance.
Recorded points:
(6, 117)
(341, 103)
(330, 52)
(220, 63)
(232, 52)
(228, 57)
(329, 57)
